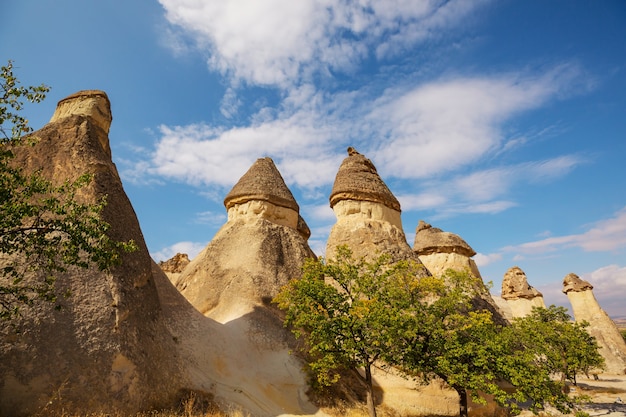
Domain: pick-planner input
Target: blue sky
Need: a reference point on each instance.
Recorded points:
(501, 121)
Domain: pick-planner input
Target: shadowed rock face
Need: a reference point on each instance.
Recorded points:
(586, 308)
(520, 297)
(98, 350)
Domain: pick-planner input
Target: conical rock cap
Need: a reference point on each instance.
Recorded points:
(357, 179)
(262, 182)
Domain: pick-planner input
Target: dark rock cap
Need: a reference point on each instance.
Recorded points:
(572, 282)
(262, 182)
(357, 179)
(430, 240)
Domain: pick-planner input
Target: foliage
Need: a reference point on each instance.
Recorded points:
(43, 227)
(623, 332)
(567, 349)
(354, 313)
(340, 306)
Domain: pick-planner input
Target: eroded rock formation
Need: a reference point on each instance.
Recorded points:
(586, 308)
(440, 251)
(97, 350)
(368, 214)
(368, 222)
(233, 280)
(519, 295)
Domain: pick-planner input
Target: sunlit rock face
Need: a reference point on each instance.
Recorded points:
(520, 296)
(368, 222)
(586, 308)
(260, 248)
(441, 251)
(368, 214)
(96, 347)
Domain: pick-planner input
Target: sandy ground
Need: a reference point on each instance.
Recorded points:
(608, 395)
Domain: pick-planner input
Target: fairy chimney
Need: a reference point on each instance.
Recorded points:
(260, 248)
(368, 214)
(94, 347)
(440, 251)
(520, 296)
(586, 308)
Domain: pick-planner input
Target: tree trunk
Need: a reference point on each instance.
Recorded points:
(462, 401)
(371, 407)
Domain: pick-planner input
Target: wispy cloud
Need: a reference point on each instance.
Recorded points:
(284, 42)
(190, 248)
(604, 235)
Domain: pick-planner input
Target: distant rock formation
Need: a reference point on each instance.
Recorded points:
(586, 308)
(174, 266)
(440, 251)
(519, 295)
(98, 351)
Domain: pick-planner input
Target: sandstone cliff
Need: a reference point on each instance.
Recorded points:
(520, 297)
(98, 350)
(586, 308)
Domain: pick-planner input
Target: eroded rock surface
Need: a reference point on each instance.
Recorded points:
(368, 214)
(97, 346)
(519, 295)
(440, 251)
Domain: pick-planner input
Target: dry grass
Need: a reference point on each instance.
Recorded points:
(193, 405)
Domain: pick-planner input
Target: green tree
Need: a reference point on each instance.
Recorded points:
(440, 336)
(354, 313)
(43, 226)
(339, 307)
(565, 347)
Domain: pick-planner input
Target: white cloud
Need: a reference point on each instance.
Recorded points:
(190, 248)
(604, 235)
(482, 259)
(449, 123)
(282, 42)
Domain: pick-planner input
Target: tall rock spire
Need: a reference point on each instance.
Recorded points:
(97, 350)
(586, 308)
